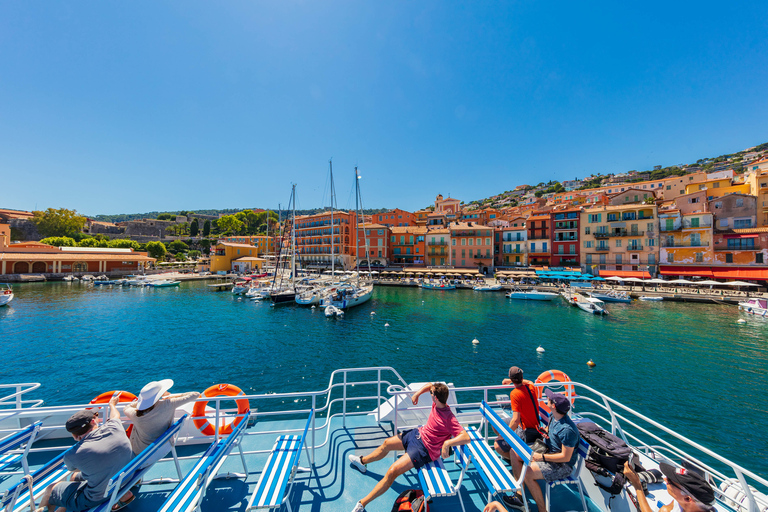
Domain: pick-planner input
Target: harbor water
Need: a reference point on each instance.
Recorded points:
(691, 367)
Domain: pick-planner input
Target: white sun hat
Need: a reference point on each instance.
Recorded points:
(152, 392)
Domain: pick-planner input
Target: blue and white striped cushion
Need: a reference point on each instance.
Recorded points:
(270, 488)
(42, 479)
(9, 459)
(435, 480)
(489, 464)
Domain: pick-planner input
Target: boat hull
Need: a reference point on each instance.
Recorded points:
(531, 296)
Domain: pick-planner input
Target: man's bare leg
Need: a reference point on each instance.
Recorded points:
(399, 467)
(391, 444)
(533, 474)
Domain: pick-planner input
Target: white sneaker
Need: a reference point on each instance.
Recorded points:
(357, 463)
(359, 507)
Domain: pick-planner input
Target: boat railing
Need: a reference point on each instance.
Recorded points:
(643, 433)
(12, 398)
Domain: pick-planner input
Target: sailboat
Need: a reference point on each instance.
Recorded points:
(283, 294)
(350, 295)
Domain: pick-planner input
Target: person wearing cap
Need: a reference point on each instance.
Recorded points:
(689, 490)
(100, 452)
(525, 416)
(559, 461)
(153, 411)
(421, 445)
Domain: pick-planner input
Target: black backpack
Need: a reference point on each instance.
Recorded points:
(410, 500)
(607, 455)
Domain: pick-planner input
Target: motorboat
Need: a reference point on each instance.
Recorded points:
(359, 401)
(104, 283)
(438, 286)
(101, 278)
(163, 283)
(757, 307)
(70, 278)
(241, 286)
(520, 294)
(650, 298)
(585, 303)
(487, 287)
(137, 281)
(6, 295)
(331, 311)
(312, 296)
(87, 277)
(610, 296)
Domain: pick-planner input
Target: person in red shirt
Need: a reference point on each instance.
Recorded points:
(421, 445)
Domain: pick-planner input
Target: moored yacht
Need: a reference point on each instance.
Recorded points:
(6, 295)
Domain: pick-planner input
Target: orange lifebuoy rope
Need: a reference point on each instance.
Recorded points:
(198, 412)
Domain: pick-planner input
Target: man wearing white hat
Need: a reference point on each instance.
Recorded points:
(153, 411)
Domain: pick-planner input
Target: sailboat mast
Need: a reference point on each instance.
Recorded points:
(293, 237)
(333, 251)
(357, 226)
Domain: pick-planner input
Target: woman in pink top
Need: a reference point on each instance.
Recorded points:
(421, 445)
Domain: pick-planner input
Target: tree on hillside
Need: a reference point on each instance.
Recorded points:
(166, 216)
(92, 242)
(59, 241)
(206, 228)
(230, 224)
(59, 222)
(124, 244)
(156, 250)
(194, 227)
(177, 246)
(194, 254)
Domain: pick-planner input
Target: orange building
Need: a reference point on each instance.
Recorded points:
(439, 247)
(313, 239)
(408, 245)
(396, 217)
(376, 236)
(471, 246)
(539, 243)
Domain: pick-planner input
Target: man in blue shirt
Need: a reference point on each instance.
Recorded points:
(559, 462)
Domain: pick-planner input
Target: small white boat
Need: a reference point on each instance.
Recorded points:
(101, 278)
(87, 277)
(438, 286)
(136, 281)
(519, 294)
(487, 287)
(332, 310)
(348, 296)
(757, 307)
(588, 304)
(241, 286)
(70, 278)
(611, 296)
(650, 298)
(6, 295)
(163, 283)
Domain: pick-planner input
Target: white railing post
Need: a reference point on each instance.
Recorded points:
(18, 397)
(344, 400)
(216, 421)
(747, 491)
(378, 396)
(314, 424)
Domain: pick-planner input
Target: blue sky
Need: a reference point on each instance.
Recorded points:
(109, 107)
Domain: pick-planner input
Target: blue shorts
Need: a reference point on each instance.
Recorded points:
(71, 496)
(415, 448)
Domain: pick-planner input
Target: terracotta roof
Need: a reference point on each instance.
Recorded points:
(420, 230)
(743, 231)
(59, 256)
(250, 258)
(233, 244)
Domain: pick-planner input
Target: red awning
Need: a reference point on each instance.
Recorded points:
(688, 271)
(625, 273)
(740, 236)
(755, 274)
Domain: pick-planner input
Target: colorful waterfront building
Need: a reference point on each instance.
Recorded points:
(421, 217)
(438, 247)
(758, 185)
(446, 210)
(718, 187)
(408, 245)
(620, 240)
(565, 238)
(313, 239)
(514, 244)
(235, 257)
(37, 258)
(373, 243)
(265, 245)
(396, 217)
(686, 239)
(539, 239)
(471, 246)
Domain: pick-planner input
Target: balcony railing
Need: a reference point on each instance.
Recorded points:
(442, 242)
(740, 248)
(601, 248)
(664, 243)
(634, 248)
(539, 252)
(566, 239)
(521, 250)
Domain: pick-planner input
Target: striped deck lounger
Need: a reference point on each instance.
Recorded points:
(11, 445)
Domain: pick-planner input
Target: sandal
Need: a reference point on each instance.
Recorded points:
(122, 504)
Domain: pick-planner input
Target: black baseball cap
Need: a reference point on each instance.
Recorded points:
(80, 422)
(561, 403)
(515, 373)
(690, 481)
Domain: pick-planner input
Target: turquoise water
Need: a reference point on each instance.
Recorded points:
(689, 366)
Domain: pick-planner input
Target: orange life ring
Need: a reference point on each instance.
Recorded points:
(558, 376)
(198, 412)
(124, 397)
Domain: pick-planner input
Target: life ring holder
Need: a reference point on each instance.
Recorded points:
(559, 376)
(198, 411)
(124, 398)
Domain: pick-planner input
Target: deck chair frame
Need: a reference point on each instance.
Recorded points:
(189, 494)
(275, 483)
(17, 497)
(11, 445)
(434, 478)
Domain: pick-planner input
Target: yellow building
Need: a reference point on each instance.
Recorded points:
(230, 256)
(718, 188)
(686, 238)
(264, 244)
(758, 183)
(620, 240)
